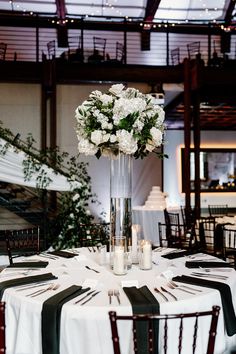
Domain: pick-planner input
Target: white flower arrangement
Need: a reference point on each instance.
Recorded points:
(121, 120)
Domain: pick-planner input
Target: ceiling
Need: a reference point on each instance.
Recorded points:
(192, 11)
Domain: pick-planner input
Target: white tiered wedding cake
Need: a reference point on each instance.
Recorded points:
(156, 199)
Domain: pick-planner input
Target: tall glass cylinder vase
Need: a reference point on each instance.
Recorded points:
(121, 197)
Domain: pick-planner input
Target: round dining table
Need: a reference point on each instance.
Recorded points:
(85, 328)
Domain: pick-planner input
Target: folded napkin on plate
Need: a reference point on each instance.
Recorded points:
(25, 280)
(143, 302)
(178, 254)
(207, 264)
(38, 264)
(51, 315)
(64, 254)
(226, 298)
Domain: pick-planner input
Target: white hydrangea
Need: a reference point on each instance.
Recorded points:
(138, 125)
(123, 107)
(87, 148)
(106, 99)
(126, 142)
(99, 136)
(156, 136)
(113, 138)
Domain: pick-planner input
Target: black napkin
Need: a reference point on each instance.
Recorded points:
(63, 254)
(206, 264)
(173, 255)
(38, 264)
(143, 302)
(25, 280)
(226, 298)
(51, 314)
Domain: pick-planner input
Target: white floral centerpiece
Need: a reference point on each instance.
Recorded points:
(121, 120)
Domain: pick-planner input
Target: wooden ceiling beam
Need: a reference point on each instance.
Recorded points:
(151, 9)
(61, 9)
(62, 33)
(229, 12)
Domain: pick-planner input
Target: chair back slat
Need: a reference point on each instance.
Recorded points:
(2, 328)
(195, 334)
(166, 333)
(180, 335)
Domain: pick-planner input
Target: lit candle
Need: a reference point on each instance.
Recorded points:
(146, 255)
(119, 260)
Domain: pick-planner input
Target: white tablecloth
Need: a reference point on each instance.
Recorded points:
(86, 329)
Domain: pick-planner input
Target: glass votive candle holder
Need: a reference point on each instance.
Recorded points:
(118, 255)
(102, 253)
(136, 228)
(145, 254)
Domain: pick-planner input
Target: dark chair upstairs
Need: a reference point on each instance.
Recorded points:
(75, 51)
(2, 328)
(193, 49)
(175, 56)
(23, 242)
(120, 52)
(218, 210)
(3, 49)
(174, 331)
(51, 46)
(99, 46)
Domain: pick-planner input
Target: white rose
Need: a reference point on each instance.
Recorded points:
(116, 89)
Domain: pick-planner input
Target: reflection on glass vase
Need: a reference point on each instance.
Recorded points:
(121, 200)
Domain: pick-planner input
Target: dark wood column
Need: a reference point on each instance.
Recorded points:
(195, 83)
(187, 132)
(49, 118)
